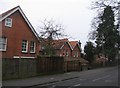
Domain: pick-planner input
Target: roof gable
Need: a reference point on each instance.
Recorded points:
(11, 11)
(59, 44)
(68, 45)
(74, 44)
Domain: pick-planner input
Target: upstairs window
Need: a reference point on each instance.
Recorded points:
(67, 53)
(8, 22)
(32, 47)
(76, 54)
(24, 46)
(3, 43)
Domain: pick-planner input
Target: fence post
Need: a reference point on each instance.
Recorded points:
(19, 67)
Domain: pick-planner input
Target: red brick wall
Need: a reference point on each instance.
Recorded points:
(76, 49)
(18, 32)
(65, 48)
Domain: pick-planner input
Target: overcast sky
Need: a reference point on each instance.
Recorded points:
(74, 15)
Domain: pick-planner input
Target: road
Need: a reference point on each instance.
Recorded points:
(97, 77)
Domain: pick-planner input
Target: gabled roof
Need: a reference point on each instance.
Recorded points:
(17, 8)
(74, 43)
(59, 44)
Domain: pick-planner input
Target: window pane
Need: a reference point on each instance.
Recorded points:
(3, 43)
(1, 47)
(32, 46)
(8, 22)
(24, 46)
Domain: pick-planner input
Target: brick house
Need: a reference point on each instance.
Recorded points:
(63, 48)
(18, 38)
(74, 63)
(76, 49)
(71, 51)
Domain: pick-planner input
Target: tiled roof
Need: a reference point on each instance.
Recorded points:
(73, 43)
(59, 43)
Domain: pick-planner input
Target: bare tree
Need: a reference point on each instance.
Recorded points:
(49, 32)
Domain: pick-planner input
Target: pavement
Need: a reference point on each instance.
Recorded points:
(40, 80)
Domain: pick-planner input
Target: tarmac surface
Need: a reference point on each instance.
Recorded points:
(42, 80)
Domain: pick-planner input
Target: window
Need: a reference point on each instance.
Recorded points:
(32, 47)
(75, 54)
(60, 54)
(8, 22)
(24, 45)
(3, 43)
(67, 54)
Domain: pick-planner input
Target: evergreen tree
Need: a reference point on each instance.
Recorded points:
(89, 51)
(107, 34)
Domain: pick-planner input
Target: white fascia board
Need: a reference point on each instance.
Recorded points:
(22, 57)
(28, 22)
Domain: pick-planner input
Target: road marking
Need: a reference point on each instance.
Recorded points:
(101, 78)
(77, 85)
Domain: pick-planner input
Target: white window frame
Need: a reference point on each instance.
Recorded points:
(8, 22)
(60, 54)
(67, 53)
(32, 47)
(5, 48)
(76, 53)
(26, 46)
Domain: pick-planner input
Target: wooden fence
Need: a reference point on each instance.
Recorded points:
(50, 64)
(18, 68)
(21, 68)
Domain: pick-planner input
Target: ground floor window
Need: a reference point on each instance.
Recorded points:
(32, 47)
(24, 45)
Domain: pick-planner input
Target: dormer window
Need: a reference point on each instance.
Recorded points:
(8, 22)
